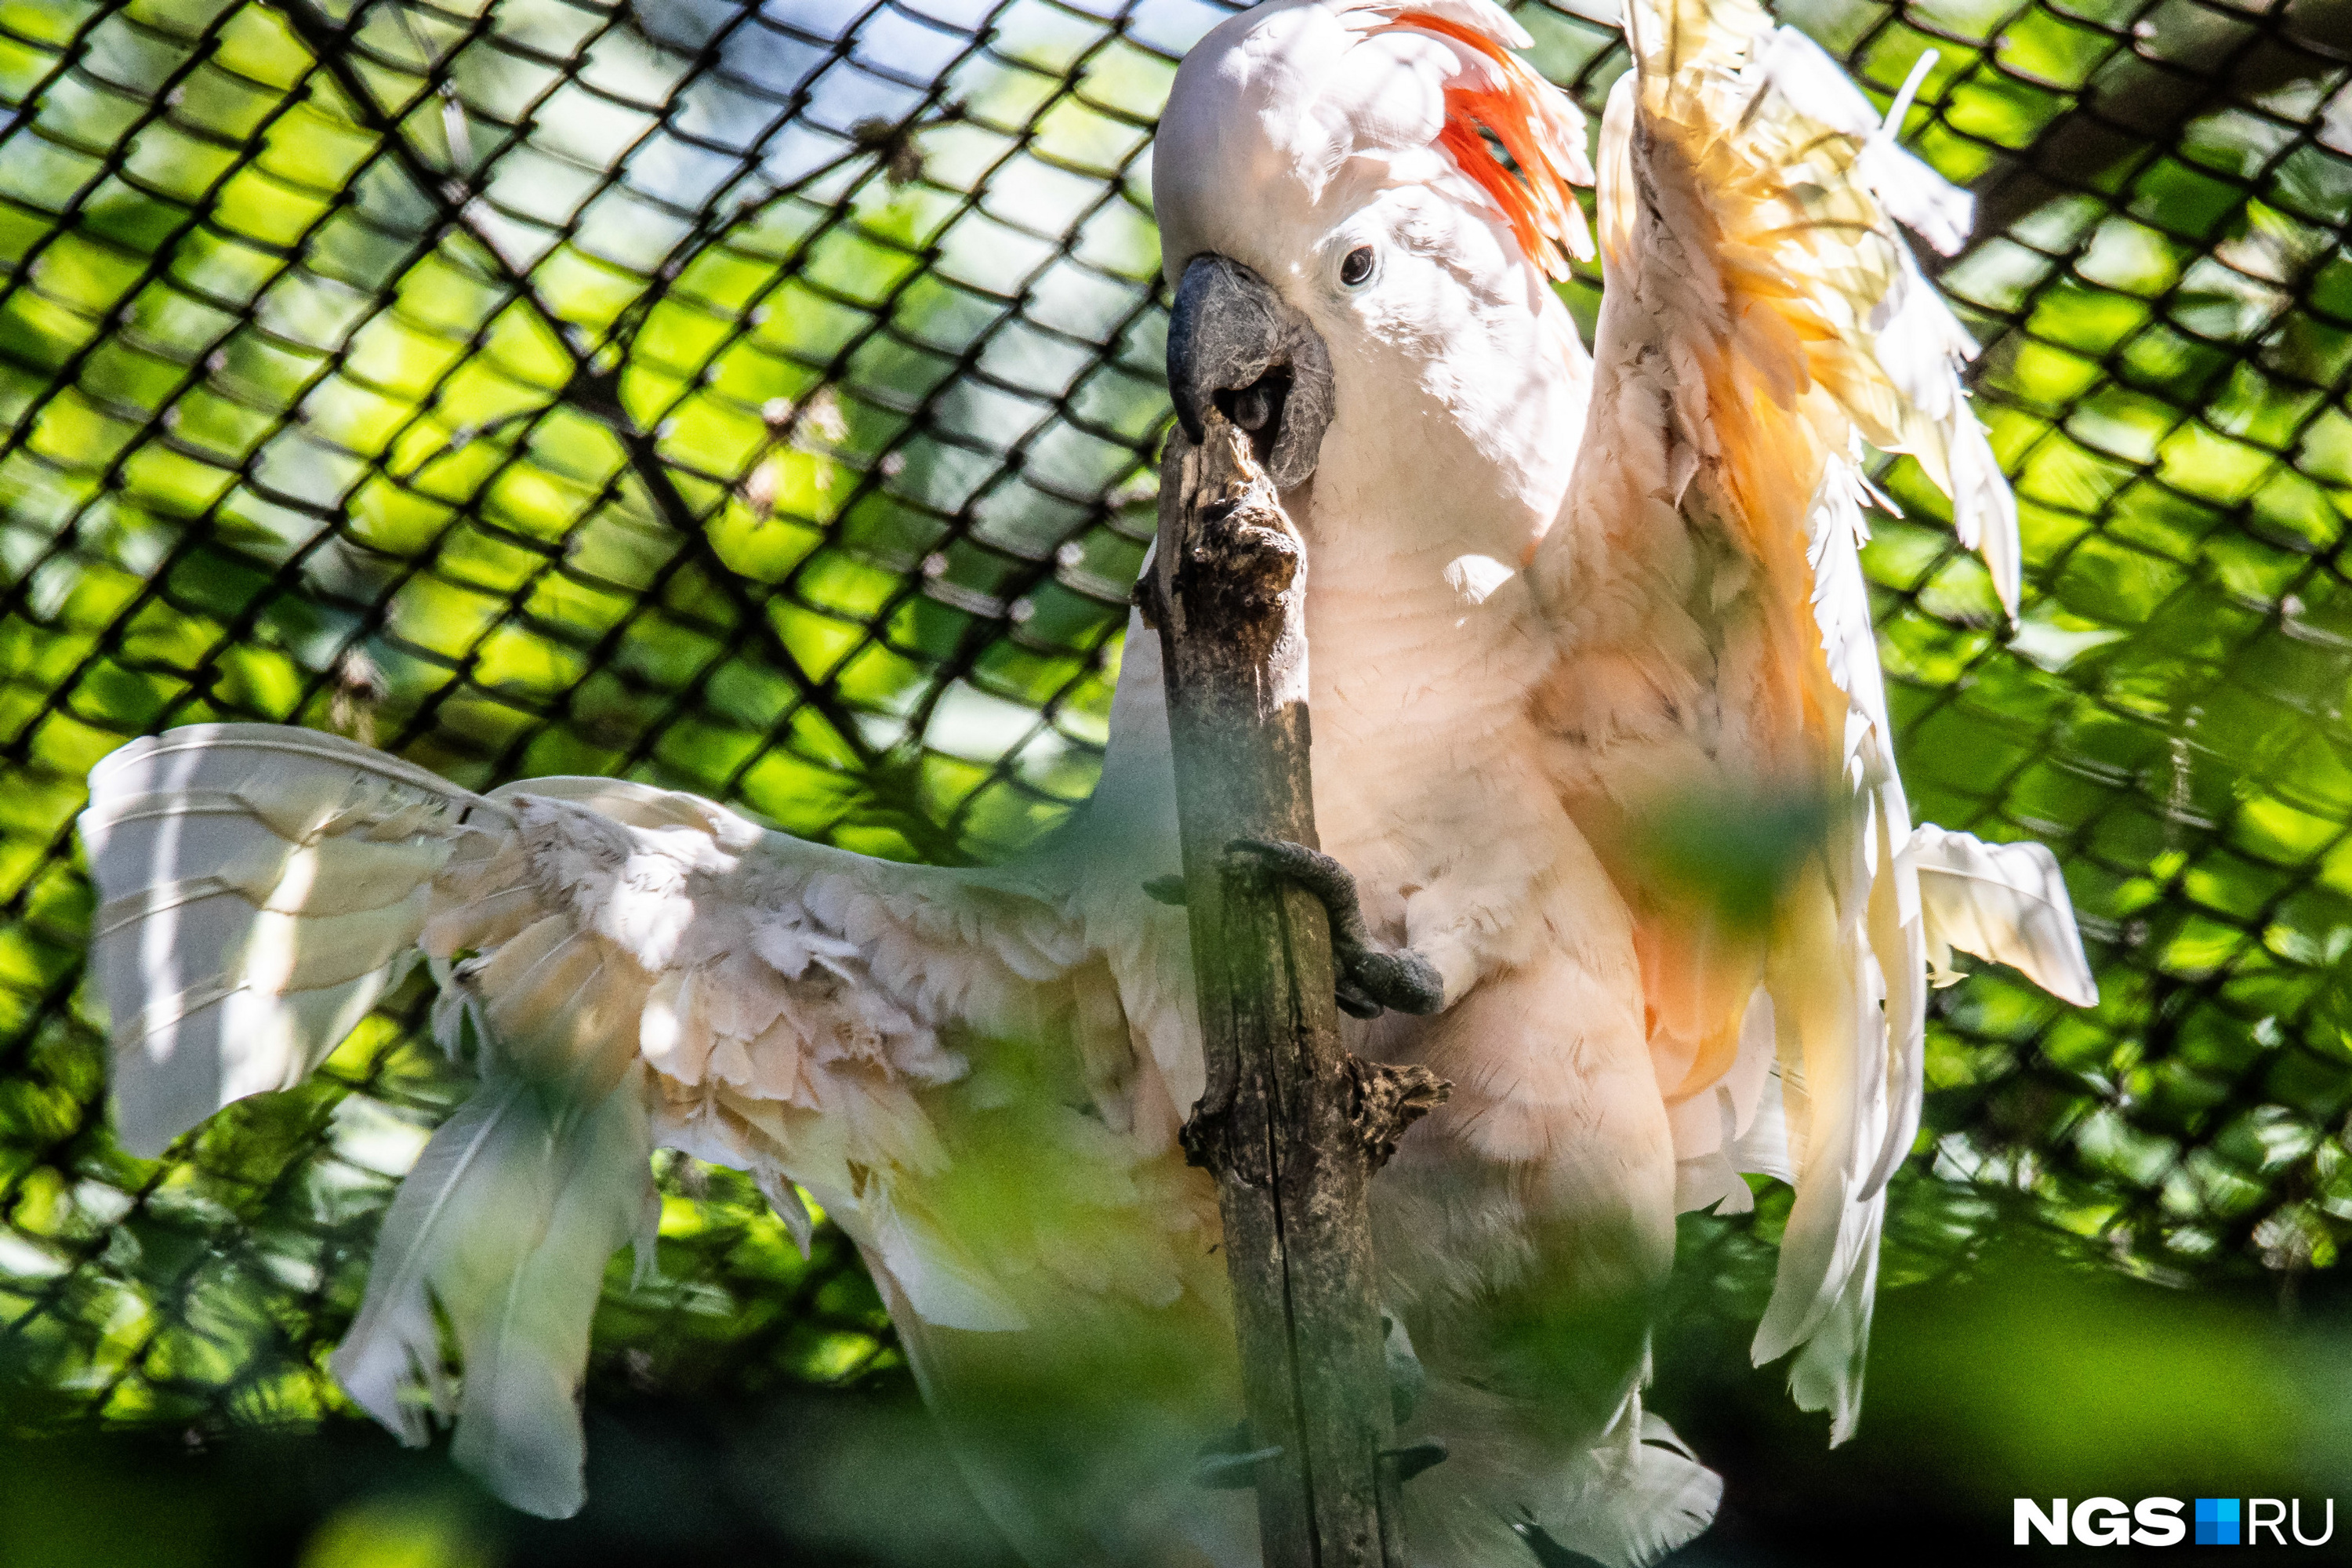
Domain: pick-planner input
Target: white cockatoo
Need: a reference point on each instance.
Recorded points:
(1558, 601)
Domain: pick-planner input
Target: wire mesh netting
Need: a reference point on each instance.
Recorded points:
(758, 400)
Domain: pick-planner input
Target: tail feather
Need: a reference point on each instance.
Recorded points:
(1630, 1503)
(1524, 1492)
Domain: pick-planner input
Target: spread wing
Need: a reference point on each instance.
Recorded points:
(629, 967)
(1762, 320)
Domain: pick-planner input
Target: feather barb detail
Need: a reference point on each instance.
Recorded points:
(1538, 127)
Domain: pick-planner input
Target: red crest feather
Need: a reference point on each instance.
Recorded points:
(1543, 134)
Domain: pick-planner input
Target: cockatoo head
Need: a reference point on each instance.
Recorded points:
(1356, 268)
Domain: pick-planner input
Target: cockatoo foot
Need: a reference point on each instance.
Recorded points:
(1366, 976)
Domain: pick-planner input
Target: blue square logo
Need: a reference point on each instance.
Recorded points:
(2217, 1521)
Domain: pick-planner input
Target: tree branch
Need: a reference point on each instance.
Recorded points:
(1292, 1125)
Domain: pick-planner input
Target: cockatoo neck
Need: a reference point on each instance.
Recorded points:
(1437, 475)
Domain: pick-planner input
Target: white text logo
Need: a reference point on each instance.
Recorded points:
(2160, 1522)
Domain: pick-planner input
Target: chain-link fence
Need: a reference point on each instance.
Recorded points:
(758, 399)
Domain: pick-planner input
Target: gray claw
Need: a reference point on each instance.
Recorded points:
(1415, 1457)
(1224, 1466)
(1366, 976)
(1402, 980)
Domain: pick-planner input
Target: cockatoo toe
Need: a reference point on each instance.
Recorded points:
(1367, 977)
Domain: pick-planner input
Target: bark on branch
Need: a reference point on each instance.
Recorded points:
(1292, 1126)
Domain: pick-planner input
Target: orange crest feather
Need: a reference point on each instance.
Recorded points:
(1533, 121)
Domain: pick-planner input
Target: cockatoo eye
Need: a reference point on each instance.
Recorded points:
(1356, 265)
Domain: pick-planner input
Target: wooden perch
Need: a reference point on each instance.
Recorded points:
(1292, 1126)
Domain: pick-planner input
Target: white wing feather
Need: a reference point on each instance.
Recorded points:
(2005, 903)
(507, 1223)
(259, 888)
(1759, 300)
(636, 966)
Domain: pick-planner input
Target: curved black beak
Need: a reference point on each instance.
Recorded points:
(1233, 342)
